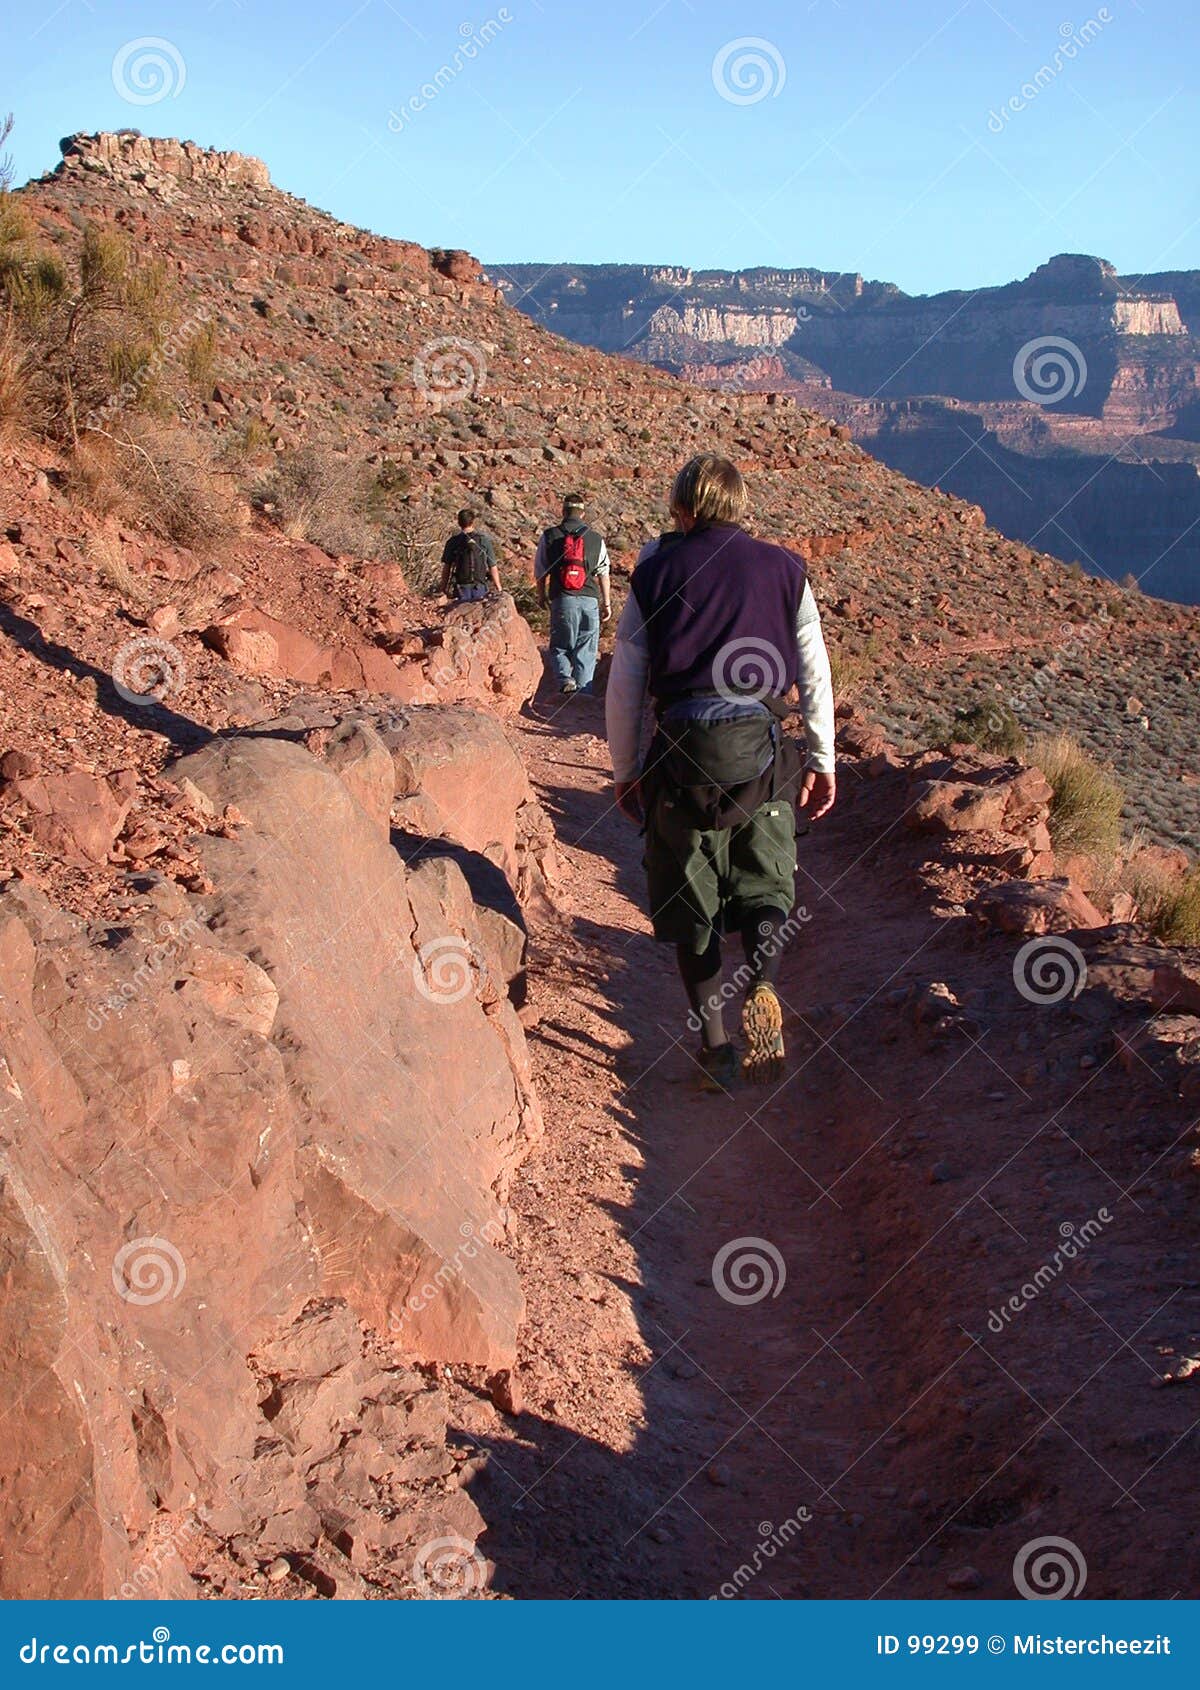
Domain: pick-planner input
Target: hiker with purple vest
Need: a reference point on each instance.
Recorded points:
(718, 629)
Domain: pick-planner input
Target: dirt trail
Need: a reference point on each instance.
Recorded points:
(864, 1430)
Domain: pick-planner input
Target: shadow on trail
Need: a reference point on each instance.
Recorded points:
(679, 1511)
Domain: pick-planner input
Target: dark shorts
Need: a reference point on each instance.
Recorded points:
(706, 882)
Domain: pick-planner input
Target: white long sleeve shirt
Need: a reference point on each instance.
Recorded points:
(625, 697)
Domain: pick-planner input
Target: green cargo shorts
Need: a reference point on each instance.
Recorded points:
(706, 882)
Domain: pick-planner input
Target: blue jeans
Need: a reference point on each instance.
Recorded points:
(470, 591)
(574, 637)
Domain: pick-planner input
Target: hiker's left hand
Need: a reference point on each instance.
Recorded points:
(817, 794)
(606, 613)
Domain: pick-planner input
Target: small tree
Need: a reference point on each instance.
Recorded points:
(416, 532)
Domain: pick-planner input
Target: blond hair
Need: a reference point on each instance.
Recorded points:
(709, 489)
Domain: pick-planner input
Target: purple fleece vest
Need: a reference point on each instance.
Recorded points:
(720, 611)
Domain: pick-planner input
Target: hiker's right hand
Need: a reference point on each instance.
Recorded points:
(817, 795)
(629, 800)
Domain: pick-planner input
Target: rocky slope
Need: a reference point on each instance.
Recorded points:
(244, 1188)
(412, 361)
(276, 886)
(1096, 461)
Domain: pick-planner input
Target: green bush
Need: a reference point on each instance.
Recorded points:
(992, 727)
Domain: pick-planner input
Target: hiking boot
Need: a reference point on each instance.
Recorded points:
(568, 689)
(718, 1068)
(762, 1023)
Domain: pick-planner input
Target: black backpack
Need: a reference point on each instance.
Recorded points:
(471, 567)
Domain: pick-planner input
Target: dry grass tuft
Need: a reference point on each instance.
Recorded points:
(1085, 814)
(16, 378)
(1176, 921)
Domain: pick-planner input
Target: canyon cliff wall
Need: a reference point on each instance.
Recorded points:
(1078, 423)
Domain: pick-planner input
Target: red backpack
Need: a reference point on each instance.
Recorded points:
(572, 569)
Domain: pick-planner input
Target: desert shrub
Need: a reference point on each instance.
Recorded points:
(524, 596)
(992, 727)
(1149, 885)
(89, 329)
(322, 496)
(416, 530)
(195, 600)
(33, 281)
(849, 670)
(344, 504)
(157, 476)
(200, 358)
(1085, 813)
(246, 442)
(392, 481)
(107, 557)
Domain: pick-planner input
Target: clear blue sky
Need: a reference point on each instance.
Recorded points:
(883, 141)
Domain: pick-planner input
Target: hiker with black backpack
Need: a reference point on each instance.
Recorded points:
(718, 629)
(469, 562)
(571, 568)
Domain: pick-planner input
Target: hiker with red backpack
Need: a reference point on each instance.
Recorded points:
(571, 568)
(718, 629)
(469, 562)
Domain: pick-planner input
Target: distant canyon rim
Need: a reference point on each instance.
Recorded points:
(1065, 404)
